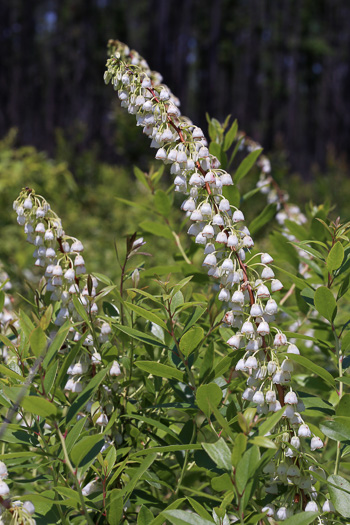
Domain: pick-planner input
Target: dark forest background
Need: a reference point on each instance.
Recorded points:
(281, 67)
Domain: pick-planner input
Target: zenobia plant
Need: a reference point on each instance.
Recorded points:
(152, 401)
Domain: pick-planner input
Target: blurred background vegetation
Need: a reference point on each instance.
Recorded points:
(281, 68)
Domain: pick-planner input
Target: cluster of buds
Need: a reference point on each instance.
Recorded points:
(60, 258)
(13, 511)
(59, 255)
(245, 285)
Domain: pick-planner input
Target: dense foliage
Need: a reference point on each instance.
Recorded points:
(188, 387)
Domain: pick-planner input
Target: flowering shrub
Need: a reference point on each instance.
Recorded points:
(212, 397)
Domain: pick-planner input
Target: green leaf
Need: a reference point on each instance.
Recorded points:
(343, 379)
(263, 218)
(197, 507)
(339, 494)
(159, 520)
(158, 369)
(246, 467)
(344, 287)
(110, 459)
(263, 442)
(134, 204)
(38, 341)
(165, 450)
(310, 365)
(303, 518)
(222, 483)
(298, 281)
(335, 257)
(239, 448)
(343, 408)
(308, 295)
(219, 453)
(144, 516)
(230, 135)
(73, 434)
(177, 300)
(80, 309)
(50, 376)
(337, 428)
(325, 303)
(115, 507)
(56, 344)
(87, 393)
(185, 517)
(162, 203)
(156, 228)
(191, 339)
(45, 319)
(87, 449)
(10, 373)
(271, 422)
(39, 406)
(196, 314)
(141, 177)
(2, 299)
(140, 336)
(146, 314)
(208, 397)
(154, 423)
(308, 249)
(246, 165)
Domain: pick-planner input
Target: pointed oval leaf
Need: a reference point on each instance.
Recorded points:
(38, 341)
(146, 314)
(86, 449)
(39, 406)
(219, 453)
(208, 397)
(158, 369)
(310, 365)
(191, 339)
(335, 257)
(339, 494)
(325, 303)
(337, 428)
(246, 165)
(303, 518)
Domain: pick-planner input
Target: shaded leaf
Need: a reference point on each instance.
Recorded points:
(339, 494)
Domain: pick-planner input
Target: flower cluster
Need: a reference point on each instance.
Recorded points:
(13, 511)
(246, 283)
(60, 258)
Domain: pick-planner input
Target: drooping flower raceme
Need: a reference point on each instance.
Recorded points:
(67, 284)
(247, 285)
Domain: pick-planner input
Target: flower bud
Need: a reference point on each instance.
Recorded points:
(304, 431)
(4, 489)
(115, 369)
(316, 443)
